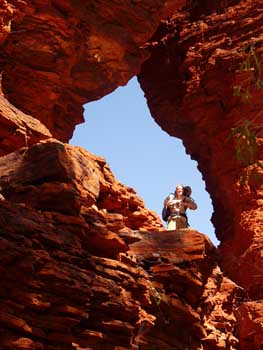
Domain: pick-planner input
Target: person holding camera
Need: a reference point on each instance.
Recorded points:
(176, 205)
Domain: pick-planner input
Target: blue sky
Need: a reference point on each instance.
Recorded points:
(141, 155)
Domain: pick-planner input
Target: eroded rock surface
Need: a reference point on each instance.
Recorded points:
(56, 55)
(199, 58)
(57, 177)
(154, 293)
(95, 269)
(84, 265)
(18, 129)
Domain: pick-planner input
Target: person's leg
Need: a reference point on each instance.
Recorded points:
(181, 222)
(171, 224)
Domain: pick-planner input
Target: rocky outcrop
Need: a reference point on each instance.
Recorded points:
(199, 60)
(56, 55)
(72, 181)
(81, 284)
(84, 264)
(18, 129)
(65, 236)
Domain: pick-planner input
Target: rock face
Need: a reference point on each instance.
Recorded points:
(52, 225)
(84, 264)
(18, 129)
(201, 82)
(72, 181)
(56, 55)
(146, 290)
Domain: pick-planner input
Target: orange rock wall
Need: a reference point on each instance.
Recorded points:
(56, 55)
(84, 264)
(197, 59)
(191, 96)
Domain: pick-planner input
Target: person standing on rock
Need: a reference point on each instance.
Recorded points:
(175, 206)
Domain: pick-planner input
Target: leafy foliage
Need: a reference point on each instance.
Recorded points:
(251, 65)
(246, 142)
(246, 147)
(246, 132)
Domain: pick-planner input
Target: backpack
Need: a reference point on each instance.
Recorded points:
(165, 213)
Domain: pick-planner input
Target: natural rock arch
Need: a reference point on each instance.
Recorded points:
(57, 55)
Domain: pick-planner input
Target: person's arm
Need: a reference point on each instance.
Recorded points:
(190, 203)
(168, 200)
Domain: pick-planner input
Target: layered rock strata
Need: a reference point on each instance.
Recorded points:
(84, 264)
(200, 59)
(80, 268)
(18, 129)
(56, 55)
(73, 181)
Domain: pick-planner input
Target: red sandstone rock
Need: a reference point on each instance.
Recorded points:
(73, 181)
(18, 129)
(69, 298)
(64, 295)
(55, 224)
(220, 300)
(6, 14)
(57, 55)
(191, 292)
(250, 325)
(66, 220)
(189, 81)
